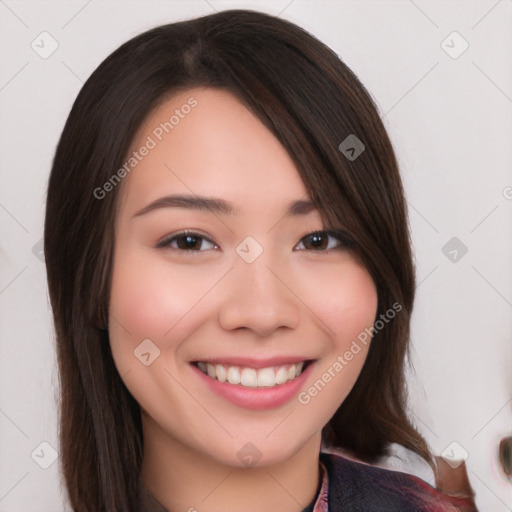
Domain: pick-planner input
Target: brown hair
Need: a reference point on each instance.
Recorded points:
(311, 101)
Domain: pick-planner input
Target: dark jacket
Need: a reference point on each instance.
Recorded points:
(348, 485)
(360, 487)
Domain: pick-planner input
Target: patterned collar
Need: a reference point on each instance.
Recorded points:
(321, 503)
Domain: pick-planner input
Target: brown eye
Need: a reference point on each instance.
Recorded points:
(186, 241)
(317, 241)
(324, 241)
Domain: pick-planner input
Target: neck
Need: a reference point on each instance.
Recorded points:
(183, 479)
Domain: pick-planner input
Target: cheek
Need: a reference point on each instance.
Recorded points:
(149, 299)
(345, 299)
(347, 305)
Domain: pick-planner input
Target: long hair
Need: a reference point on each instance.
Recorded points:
(311, 101)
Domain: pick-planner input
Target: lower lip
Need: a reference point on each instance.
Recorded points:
(256, 398)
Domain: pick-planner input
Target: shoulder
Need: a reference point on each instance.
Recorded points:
(356, 486)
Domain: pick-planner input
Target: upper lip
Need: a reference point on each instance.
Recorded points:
(252, 362)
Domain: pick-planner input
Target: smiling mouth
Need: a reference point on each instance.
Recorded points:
(269, 377)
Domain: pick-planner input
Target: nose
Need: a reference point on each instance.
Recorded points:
(258, 297)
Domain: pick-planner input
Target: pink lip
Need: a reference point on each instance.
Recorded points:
(256, 398)
(252, 362)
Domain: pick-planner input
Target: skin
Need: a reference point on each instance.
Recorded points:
(195, 304)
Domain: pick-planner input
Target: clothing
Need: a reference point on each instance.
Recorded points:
(359, 487)
(349, 485)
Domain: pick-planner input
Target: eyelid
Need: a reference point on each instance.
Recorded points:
(164, 242)
(343, 238)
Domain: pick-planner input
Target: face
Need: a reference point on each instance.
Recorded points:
(245, 287)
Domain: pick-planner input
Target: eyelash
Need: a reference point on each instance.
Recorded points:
(344, 241)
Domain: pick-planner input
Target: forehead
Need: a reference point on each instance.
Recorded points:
(204, 141)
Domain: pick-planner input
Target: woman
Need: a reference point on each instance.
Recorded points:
(231, 278)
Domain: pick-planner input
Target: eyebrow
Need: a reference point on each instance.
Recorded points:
(213, 204)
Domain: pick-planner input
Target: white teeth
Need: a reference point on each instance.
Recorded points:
(251, 377)
(281, 376)
(234, 375)
(211, 370)
(266, 377)
(221, 373)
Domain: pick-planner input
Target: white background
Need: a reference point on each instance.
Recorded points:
(451, 124)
